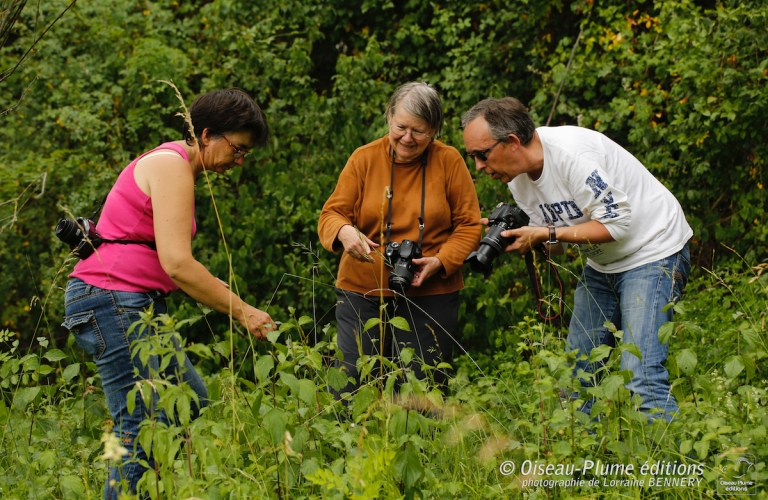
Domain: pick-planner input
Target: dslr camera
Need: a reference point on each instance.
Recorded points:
(77, 233)
(503, 217)
(400, 256)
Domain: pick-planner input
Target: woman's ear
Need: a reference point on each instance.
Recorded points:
(205, 137)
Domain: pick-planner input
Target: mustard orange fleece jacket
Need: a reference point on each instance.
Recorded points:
(451, 215)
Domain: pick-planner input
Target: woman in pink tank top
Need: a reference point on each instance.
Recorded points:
(153, 201)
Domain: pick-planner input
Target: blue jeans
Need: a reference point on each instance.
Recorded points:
(99, 320)
(633, 301)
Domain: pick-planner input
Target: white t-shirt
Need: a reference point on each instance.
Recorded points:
(587, 176)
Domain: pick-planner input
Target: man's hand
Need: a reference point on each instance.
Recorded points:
(356, 244)
(526, 238)
(425, 267)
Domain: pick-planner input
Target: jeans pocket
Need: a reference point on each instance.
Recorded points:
(86, 331)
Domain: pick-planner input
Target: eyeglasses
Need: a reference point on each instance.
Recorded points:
(239, 153)
(401, 131)
(483, 155)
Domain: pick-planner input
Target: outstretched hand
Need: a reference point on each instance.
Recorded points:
(257, 322)
(356, 244)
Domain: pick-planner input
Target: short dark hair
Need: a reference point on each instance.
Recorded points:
(227, 110)
(504, 116)
(421, 100)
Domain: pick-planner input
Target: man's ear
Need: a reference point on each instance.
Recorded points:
(514, 141)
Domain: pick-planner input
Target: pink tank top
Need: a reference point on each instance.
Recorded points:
(127, 215)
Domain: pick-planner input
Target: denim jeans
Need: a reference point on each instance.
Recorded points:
(99, 320)
(633, 301)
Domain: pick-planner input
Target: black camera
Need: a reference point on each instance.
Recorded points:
(400, 256)
(503, 217)
(80, 234)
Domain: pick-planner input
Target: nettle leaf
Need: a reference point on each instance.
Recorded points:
(24, 397)
(365, 397)
(631, 349)
(71, 371)
(612, 385)
(263, 366)
(307, 391)
(371, 323)
(666, 331)
(291, 381)
(400, 323)
(734, 366)
(408, 467)
(686, 361)
(337, 378)
(274, 422)
(599, 353)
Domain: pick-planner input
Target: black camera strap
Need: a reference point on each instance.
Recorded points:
(535, 282)
(391, 193)
(98, 241)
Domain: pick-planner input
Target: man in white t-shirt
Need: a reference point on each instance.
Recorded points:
(579, 187)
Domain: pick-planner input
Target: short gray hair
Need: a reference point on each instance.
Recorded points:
(504, 116)
(421, 100)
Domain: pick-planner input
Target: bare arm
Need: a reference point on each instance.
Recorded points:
(171, 186)
(592, 232)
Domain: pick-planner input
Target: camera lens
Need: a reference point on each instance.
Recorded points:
(68, 231)
(481, 261)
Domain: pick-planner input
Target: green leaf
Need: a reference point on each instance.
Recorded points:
(612, 385)
(686, 361)
(666, 331)
(337, 378)
(408, 467)
(274, 422)
(599, 353)
(371, 323)
(71, 371)
(734, 366)
(263, 366)
(24, 397)
(307, 391)
(400, 323)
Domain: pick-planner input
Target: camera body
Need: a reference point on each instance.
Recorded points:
(503, 218)
(80, 234)
(400, 256)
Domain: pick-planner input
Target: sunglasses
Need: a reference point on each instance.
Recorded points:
(239, 153)
(483, 155)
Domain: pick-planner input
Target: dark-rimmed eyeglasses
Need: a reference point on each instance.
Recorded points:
(483, 155)
(239, 153)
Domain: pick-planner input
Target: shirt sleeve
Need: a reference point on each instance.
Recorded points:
(339, 209)
(465, 215)
(598, 197)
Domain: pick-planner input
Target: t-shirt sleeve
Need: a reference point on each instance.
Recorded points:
(598, 197)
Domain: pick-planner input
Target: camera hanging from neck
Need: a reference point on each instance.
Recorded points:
(391, 194)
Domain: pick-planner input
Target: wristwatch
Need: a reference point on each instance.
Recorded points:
(552, 235)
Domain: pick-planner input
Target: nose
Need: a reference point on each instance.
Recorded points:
(239, 160)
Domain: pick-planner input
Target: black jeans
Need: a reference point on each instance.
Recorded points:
(432, 320)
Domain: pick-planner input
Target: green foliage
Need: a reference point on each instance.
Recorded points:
(277, 432)
(680, 84)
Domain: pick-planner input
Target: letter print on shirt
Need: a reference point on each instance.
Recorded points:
(610, 206)
(596, 182)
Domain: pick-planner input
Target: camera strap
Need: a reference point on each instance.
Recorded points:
(391, 193)
(535, 282)
(98, 241)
